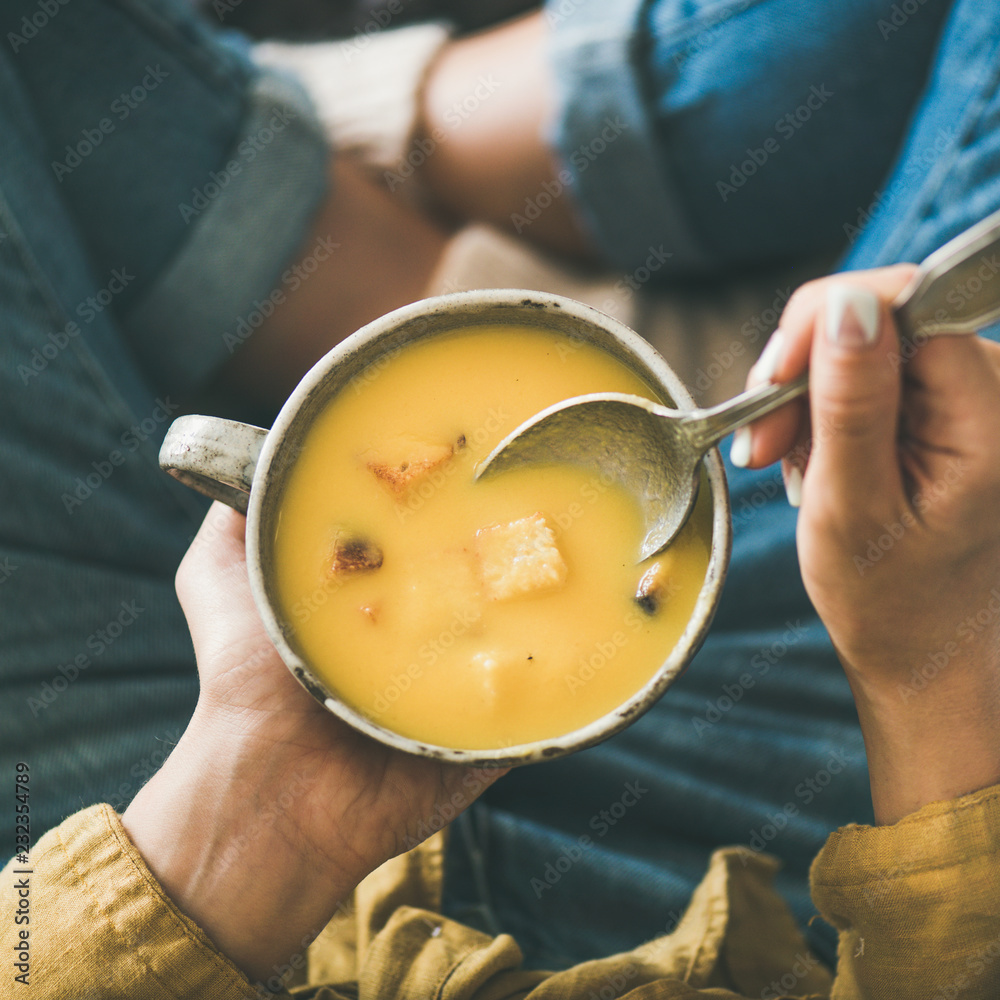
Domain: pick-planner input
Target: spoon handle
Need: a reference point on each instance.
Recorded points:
(708, 427)
(956, 290)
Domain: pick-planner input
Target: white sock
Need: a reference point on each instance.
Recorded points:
(366, 89)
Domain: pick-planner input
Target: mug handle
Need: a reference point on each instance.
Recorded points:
(214, 456)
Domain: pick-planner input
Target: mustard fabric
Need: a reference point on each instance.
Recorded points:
(917, 905)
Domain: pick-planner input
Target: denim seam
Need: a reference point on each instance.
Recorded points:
(605, 49)
(210, 254)
(931, 188)
(699, 21)
(892, 246)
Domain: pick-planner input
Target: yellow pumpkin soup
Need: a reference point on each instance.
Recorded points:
(474, 615)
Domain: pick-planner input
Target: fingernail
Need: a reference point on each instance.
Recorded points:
(793, 485)
(852, 315)
(739, 452)
(767, 363)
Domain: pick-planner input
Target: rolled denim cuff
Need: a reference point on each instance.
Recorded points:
(247, 219)
(604, 135)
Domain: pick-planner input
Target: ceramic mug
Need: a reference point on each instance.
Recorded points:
(245, 467)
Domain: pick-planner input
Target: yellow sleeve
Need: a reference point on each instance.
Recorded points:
(917, 904)
(99, 925)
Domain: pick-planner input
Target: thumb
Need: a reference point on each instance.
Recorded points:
(855, 390)
(214, 590)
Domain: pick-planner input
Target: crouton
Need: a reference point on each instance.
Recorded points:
(655, 586)
(519, 558)
(353, 553)
(401, 464)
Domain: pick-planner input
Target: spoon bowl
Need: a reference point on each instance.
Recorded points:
(655, 452)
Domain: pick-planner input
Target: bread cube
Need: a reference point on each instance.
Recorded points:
(519, 558)
(353, 553)
(655, 586)
(402, 464)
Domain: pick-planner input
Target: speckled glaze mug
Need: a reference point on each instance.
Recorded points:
(246, 467)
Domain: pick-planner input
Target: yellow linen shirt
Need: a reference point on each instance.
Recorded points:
(917, 905)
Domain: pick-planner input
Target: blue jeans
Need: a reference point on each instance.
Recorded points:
(673, 130)
(132, 142)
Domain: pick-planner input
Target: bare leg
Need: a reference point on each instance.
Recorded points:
(384, 252)
(496, 158)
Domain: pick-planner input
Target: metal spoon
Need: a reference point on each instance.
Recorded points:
(654, 451)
